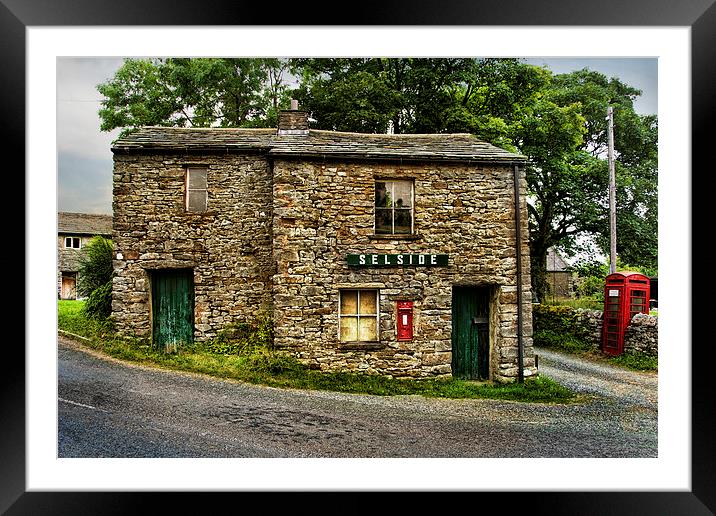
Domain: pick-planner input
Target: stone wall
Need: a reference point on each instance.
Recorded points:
(590, 324)
(69, 259)
(276, 235)
(228, 247)
(324, 211)
(642, 335)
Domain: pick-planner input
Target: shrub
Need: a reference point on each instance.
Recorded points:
(558, 326)
(244, 337)
(99, 303)
(95, 277)
(263, 361)
(95, 268)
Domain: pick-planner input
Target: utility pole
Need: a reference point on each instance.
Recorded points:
(612, 195)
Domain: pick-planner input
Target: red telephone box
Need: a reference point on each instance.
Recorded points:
(625, 295)
(405, 320)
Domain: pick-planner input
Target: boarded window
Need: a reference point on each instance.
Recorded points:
(393, 207)
(196, 191)
(358, 317)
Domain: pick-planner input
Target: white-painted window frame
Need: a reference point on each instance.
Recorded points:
(392, 181)
(358, 315)
(71, 239)
(188, 189)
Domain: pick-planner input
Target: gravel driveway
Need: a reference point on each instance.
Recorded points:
(110, 409)
(629, 388)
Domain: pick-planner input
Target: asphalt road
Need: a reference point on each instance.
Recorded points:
(110, 409)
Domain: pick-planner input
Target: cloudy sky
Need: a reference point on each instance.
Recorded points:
(84, 159)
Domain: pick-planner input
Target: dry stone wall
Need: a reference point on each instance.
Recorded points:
(277, 233)
(324, 211)
(642, 335)
(228, 246)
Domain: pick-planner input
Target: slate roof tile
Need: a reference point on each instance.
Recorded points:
(463, 147)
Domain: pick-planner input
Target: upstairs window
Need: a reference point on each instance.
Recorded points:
(393, 207)
(196, 193)
(72, 243)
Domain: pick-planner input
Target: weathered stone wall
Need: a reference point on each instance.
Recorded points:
(228, 247)
(642, 335)
(325, 210)
(590, 324)
(561, 284)
(68, 259)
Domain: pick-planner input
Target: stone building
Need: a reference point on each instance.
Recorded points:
(386, 254)
(560, 278)
(74, 230)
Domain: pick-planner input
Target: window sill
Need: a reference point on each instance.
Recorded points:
(367, 346)
(396, 237)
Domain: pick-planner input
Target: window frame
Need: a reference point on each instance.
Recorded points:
(72, 239)
(392, 209)
(188, 190)
(358, 315)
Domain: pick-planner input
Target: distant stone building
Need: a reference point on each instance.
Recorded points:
(74, 230)
(386, 254)
(560, 278)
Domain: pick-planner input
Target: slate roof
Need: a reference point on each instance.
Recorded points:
(555, 262)
(318, 143)
(84, 224)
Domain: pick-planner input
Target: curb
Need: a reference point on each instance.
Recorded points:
(73, 336)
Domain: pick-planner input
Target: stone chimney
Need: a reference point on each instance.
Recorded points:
(293, 121)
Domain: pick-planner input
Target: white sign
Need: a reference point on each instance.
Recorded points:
(613, 293)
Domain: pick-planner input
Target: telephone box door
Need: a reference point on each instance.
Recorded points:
(613, 340)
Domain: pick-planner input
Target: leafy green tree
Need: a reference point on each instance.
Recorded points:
(194, 92)
(95, 277)
(557, 121)
(410, 95)
(636, 163)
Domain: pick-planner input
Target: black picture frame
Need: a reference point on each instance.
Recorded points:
(700, 16)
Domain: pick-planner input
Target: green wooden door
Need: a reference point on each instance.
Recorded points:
(172, 308)
(470, 333)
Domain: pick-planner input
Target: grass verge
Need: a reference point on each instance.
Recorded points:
(259, 365)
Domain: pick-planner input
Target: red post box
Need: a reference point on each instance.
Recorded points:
(625, 295)
(405, 320)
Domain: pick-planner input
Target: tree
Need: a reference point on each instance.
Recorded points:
(201, 92)
(568, 175)
(95, 277)
(557, 121)
(409, 95)
(636, 153)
